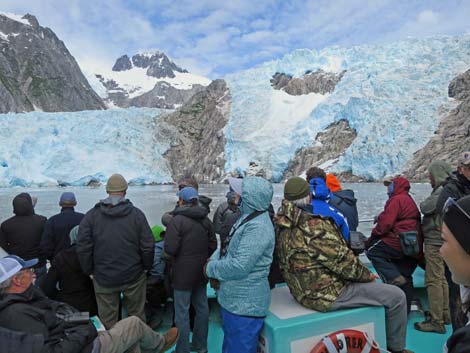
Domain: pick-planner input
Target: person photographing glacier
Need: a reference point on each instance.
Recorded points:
(243, 267)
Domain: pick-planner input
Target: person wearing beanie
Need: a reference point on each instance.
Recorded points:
(436, 284)
(456, 186)
(329, 260)
(190, 240)
(455, 251)
(115, 246)
(332, 182)
(116, 184)
(343, 200)
(57, 229)
(321, 196)
(21, 234)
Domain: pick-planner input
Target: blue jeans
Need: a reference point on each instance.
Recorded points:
(240, 332)
(390, 264)
(182, 300)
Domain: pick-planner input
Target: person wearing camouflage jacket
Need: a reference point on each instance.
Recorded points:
(321, 271)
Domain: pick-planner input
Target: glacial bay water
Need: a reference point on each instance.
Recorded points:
(156, 200)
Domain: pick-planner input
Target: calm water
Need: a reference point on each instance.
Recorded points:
(155, 200)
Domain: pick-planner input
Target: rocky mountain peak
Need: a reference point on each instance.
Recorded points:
(123, 63)
(32, 20)
(37, 72)
(157, 64)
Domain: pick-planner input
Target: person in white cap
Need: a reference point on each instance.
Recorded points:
(30, 322)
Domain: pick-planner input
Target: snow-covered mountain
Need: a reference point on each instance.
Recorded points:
(148, 80)
(37, 72)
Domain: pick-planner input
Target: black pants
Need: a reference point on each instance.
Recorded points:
(390, 264)
(455, 303)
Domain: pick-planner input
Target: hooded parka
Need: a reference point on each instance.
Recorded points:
(243, 271)
(21, 234)
(400, 214)
(115, 243)
(431, 224)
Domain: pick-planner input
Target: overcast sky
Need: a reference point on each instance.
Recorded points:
(213, 38)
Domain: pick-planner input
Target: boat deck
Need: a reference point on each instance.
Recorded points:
(417, 341)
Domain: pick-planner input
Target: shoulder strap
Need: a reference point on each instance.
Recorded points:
(224, 247)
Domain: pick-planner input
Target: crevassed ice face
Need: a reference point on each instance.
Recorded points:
(456, 257)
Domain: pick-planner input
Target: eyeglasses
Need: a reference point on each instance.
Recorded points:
(451, 202)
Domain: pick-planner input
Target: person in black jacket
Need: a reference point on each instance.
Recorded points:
(66, 282)
(228, 212)
(456, 186)
(203, 200)
(47, 326)
(58, 227)
(21, 234)
(115, 245)
(343, 200)
(190, 240)
(455, 251)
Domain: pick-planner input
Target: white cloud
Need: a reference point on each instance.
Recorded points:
(260, 24)
(214, 38)
(256, 37)
(427, 17)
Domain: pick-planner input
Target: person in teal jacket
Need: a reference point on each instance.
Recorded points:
(243, 269)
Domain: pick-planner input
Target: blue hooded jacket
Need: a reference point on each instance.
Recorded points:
(243, 271)
(320, 196)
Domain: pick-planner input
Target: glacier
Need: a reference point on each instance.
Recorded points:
(393, 95)
(46, 149)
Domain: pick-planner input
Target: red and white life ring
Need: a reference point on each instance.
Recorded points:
(346, 341)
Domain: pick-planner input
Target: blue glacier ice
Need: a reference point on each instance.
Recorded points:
(392, 94)
(73, 148)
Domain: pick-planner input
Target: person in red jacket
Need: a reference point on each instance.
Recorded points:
(400, 214)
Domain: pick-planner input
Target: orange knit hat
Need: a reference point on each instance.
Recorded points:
(332, 183)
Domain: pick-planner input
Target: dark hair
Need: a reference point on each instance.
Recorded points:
(188, 181)
(315, 172)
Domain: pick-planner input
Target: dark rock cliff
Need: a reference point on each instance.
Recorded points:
(328, 145)
(37, 72)
(452, 136)
(319, 81)
(198, 149)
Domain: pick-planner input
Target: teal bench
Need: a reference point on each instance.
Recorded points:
(291, 328)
